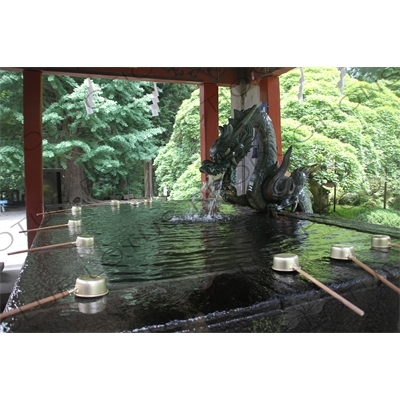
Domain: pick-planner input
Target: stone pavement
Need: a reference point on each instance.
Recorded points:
(12, 221)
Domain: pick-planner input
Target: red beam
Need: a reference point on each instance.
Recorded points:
(208, 120)
(221, 76)
(195, 75)
(32, 102)
(270, 93)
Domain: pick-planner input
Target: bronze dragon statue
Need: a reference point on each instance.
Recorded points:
(270, 188)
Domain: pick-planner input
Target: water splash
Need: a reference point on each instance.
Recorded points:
(212, 188)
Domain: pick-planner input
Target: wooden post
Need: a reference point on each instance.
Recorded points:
(33, 144)
(208, 121)
(270, 93)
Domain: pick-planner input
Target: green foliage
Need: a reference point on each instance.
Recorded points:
(171, 96)
(335, 161)
(375, 74)
(353, 140)
(395, 203)
(377, 216)
(381, 217)
(188, 184)
(11, 162)
(112, 143)
(11, 129)
(178, 160)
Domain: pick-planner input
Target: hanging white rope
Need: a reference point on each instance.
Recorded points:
(89, 98)
(342, 76)
(301, 87)
(154, 105)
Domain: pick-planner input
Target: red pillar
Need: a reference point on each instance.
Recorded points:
(208, 120)
(32, 100)
(270, 93)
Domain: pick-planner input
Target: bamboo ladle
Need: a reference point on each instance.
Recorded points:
(340, 252)
(288, 262)
(71, 223)
(81, 241)
(85, 286)
(37, 303)
(73, 209)
(51, 212)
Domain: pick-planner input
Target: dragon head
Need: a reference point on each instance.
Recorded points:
(234, 142)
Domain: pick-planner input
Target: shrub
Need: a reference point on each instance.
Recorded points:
(377, 216)
(381, 217)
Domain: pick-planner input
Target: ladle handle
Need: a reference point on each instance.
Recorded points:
(331, 292)
(42, 229)
(50, 246)
(51, 212)
(395, 245)
(372, 272)
(37, 303)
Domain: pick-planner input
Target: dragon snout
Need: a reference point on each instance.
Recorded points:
(206, 166)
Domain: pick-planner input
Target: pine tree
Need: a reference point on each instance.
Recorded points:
(98, 150)
(102, 147)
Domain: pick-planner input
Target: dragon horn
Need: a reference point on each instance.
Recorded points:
(247, 116)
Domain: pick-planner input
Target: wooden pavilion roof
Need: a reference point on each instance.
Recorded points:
(222, 76)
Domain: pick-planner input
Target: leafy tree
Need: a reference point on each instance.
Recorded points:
(171, 96)
(328, 158)
(353, 139)
(374, 74)
(381, 76)
(103, 148)
(177, 164)
(11, 132)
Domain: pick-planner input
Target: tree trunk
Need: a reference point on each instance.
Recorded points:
(76, 184)
(148, 179)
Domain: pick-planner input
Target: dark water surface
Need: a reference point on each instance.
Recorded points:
(168, 240)
(171, 261)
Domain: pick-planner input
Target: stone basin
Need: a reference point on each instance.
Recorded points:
(171, 267)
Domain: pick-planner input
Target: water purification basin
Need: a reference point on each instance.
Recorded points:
(171, 267)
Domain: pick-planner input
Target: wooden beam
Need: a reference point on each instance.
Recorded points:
(208, 121)
(195, 75)
(270, 93)
(33, 165)
(221, 76)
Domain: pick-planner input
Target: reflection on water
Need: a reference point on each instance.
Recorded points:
(179, 239)
(168, 240)
(91, 306)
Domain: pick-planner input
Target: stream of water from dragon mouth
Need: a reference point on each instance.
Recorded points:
(212, 187)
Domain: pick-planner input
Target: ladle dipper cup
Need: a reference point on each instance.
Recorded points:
(382, 242)
(340, 252)
(81, 241)
(85, 286)
(71, 223)
(75, 210)
(288, 262)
